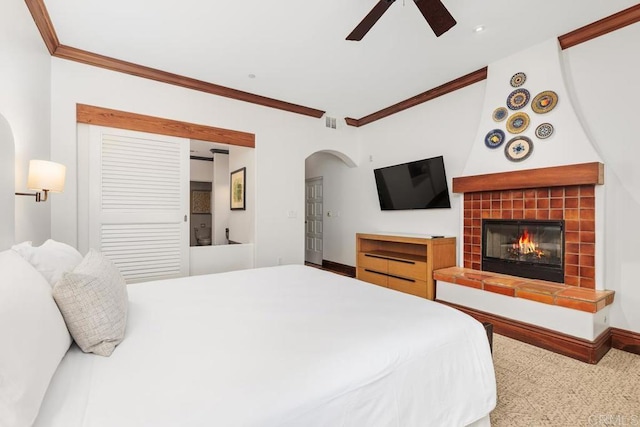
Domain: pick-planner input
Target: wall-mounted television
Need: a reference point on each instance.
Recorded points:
(421, 184)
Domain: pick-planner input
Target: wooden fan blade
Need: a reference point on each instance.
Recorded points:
(372, 17)
(438, 17)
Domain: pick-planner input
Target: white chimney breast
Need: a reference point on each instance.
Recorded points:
(568, 144)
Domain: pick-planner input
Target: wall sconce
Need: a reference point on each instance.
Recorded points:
(44, 176)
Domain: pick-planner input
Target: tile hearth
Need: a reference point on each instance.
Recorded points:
(573, 297)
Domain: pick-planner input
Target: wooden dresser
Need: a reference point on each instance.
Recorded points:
(404, 262)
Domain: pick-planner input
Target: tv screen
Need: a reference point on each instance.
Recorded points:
(415, 185)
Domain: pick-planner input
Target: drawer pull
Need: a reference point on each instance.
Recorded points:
(401, 278)
(375, 272)
(390, 275)
(390, 259)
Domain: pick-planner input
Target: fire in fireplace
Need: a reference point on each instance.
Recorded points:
(525, 248)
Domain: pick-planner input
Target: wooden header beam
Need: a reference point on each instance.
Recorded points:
(579, 174)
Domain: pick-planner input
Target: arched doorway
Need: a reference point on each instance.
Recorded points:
(315, 213)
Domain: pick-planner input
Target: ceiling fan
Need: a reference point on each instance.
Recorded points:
(437, 16)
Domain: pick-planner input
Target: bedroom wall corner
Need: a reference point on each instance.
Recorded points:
(25, 86)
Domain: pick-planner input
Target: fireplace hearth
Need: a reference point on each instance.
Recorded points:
(524, 248)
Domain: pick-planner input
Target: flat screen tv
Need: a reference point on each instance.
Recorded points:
(415, 185)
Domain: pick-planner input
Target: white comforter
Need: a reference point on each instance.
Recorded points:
(280, 346)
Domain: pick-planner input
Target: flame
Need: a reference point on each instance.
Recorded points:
(526, 245)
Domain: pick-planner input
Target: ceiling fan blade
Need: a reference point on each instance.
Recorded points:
(372, 17)
(438, 17)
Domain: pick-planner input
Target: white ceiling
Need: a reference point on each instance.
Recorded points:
(297, 49)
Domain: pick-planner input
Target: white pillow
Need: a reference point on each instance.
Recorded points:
(52, 259)
(93, 301)
(33, 337)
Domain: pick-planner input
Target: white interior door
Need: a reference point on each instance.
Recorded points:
(139, 202)
(313, 220)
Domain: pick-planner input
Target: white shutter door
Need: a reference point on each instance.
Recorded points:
(139, 186)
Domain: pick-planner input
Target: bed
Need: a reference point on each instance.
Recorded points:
(280, 346)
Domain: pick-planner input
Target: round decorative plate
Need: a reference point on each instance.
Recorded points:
(518, 122)
(499, 114)
(518, 99)
(494, 138)
(518, 79)
(544, 130)
(518, 148)
(544, 102)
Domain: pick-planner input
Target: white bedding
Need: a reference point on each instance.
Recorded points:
(280, 346)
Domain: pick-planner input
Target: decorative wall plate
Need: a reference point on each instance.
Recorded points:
(518, 79)
(494, 138)
(499, 114)
(544, 131)
(518, 148)
(518, 99)
(518, 122)
(544, 102)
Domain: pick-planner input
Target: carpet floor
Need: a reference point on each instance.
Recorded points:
(537, 387)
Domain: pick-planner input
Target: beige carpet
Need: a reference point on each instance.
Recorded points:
(539, 388)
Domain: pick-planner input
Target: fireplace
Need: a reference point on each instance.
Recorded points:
(525, 248)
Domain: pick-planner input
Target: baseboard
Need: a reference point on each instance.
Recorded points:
(576, 348)
(336, 267)
(625, 340)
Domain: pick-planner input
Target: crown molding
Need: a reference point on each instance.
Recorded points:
(90, 58)
(56, 49)
(42, 20)
(599, 28)
(444, 89)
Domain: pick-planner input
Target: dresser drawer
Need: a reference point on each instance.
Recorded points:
(379, 279)
(409, 269)
(373, 262)
(414, 287)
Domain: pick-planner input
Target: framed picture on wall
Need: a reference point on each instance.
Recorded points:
(238, 190)
(200, 202)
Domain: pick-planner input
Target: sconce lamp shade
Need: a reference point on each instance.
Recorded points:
(45, 175)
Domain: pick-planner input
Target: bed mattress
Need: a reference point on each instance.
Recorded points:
(278, 346)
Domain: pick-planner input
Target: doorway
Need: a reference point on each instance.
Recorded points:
(313, 221)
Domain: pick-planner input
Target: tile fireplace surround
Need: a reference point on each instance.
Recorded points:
(575, 204)
(563, 193)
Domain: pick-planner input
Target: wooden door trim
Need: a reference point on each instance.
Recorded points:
(100, 116)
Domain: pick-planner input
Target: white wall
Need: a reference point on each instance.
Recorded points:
(283, 141)
(7, 186)
(603, 75)
(200, 170)
(221, 211)
(242, 222)
(25, 103)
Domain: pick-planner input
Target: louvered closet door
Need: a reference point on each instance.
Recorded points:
(139, 186)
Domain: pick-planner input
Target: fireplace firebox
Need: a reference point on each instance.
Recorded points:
(525, 248)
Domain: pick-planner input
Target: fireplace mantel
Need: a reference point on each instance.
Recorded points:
(578, 174)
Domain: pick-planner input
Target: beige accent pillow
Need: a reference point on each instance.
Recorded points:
(93, 301)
